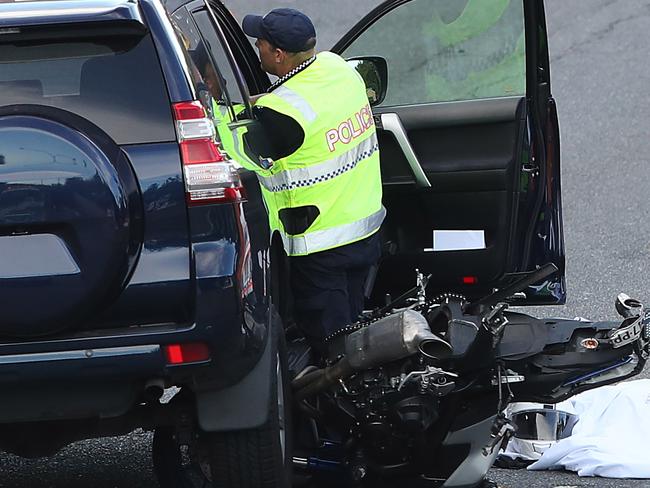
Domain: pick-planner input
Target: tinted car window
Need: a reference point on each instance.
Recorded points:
(220, 58)
(448, 50)
(208, 81)
(114, 82)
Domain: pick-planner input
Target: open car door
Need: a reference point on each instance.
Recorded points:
(469, 144)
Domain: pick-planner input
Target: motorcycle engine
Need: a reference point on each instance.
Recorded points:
(394, 402)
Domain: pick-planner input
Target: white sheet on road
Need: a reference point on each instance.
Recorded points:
(612, 436)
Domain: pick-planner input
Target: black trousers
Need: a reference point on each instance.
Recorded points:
(328, 286)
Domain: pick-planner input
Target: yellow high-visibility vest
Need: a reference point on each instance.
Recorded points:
(336, 169)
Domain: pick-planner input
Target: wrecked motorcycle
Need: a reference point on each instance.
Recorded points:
(418, 391)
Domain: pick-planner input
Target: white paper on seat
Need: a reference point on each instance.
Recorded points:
(458, 240)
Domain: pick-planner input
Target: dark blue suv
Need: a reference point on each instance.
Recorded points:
(130, 258)
(135, 254)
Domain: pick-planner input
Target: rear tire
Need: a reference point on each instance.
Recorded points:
(262, 457)
(253, 458)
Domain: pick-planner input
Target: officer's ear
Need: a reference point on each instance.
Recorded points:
(279, 55)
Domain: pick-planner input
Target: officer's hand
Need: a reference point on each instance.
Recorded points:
(255, 98)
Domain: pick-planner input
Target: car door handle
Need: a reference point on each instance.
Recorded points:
(392, 123)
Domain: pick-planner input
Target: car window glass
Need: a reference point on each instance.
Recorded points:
(207, 80)
(448, 50)
(114, 82)
(214, 45)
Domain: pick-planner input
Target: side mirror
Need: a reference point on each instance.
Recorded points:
(374, 71)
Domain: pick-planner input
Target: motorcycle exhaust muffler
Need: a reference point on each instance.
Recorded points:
(391, 338)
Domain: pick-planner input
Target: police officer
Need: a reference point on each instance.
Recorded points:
(323, 190)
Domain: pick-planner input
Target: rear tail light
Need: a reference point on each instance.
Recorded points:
(186, 353)
(210, 177)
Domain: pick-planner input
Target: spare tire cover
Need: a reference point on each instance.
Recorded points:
(70, 223)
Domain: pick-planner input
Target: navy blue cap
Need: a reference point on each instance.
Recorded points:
(285, 28)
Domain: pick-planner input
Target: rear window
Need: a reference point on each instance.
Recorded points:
(114, 82)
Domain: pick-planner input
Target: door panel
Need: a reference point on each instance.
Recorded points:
(463, 142)
(440, 141)
(471, 161)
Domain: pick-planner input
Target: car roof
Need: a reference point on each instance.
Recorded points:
(36, 12)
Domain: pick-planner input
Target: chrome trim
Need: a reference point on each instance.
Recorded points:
(392, 123)
(35, 256)
(69, 11)
(80, 354)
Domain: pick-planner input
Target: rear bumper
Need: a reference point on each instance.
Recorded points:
(106, 376)
(136, 352)
(74, 384)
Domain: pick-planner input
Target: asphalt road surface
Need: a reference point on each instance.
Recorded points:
(600, 75)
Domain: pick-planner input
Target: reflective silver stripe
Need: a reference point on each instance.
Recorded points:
(296, 101)
(329, 238)
(327, 170)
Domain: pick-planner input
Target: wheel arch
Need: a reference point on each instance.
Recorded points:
(243, 405)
